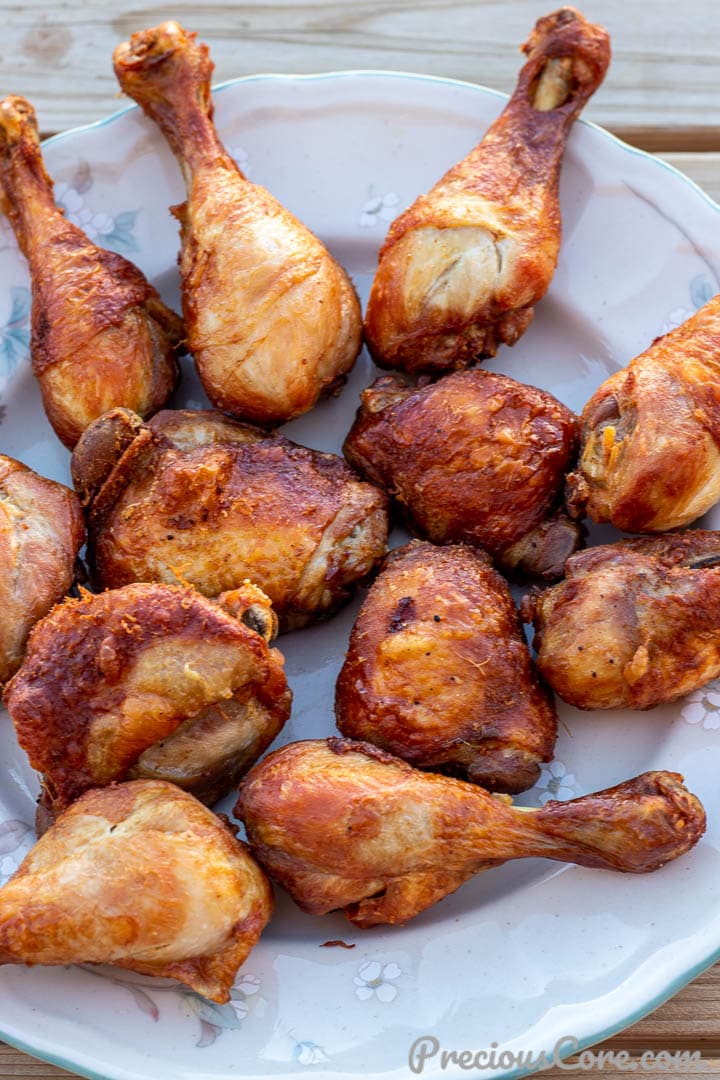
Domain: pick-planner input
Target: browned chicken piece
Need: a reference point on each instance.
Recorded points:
(149, 681)
(475, 457)
(462, 268)
(346, 825)
(101, 335)
(439, 673)
(650, 458)
(41, 533)
(196, 497)
(633, 624)
(272, 320)
(143, 876)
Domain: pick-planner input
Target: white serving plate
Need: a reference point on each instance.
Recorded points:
(525, 954)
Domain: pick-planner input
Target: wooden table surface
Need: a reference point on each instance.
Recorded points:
(662, 93)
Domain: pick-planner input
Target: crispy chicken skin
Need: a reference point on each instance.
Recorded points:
(143, 876)
(650, 458)
(194, 496)
(438, 671)
(149, 681)
(345, 825)
(101, 336)
(475, 457)
(41, 533)
(272, 320)
(633, 624)
(463, 267)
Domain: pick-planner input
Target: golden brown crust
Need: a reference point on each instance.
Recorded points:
(345, 825)
(438, 671)
(101, 336)
(475, 457)
(109, 681)
(199, 498)
(272, 320)
(142, 876)
(462, 268)
(41, 533)
(633, 624)
(650, 458)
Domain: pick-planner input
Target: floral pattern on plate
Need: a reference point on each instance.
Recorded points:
(116, 232)
(375, 979)
(15, 334)
(556, 782)
(703, 707)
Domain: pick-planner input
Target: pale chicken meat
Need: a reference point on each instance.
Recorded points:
(41, 533)
(438, 671)
(149, 681)
(143, 876)
(462, 269)
(344, 825)
(650, 456)
(633, 624)
(272, 319)
(475, 457)
(101, 335)
(196, 497)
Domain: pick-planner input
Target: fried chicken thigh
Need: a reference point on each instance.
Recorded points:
(633, 624)
(41, 533)
(345, 825)
(462, 268)
(650, 457)
(475, 457)
(149, 681)
(139, 875)
(438, 671)
(195, 497)
(101, 336)
(272, 320)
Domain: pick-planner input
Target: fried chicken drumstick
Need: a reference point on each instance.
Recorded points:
(41, 533)
(101, 335)
(463, 267)
(650, 457)
(143, 876)
(439, 673)
(633, 624)
(475, 457)
(272, 320)
(345, 825)
(196, 497)
(149, 681)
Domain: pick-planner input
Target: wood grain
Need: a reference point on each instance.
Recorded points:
(663, 90)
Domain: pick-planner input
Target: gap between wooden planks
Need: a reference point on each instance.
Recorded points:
(662, 91)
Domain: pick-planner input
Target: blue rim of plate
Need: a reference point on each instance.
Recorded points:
(676, 984)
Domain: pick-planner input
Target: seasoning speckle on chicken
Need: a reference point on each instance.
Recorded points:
(143, 876)
(462, 268)
(474, 457)
(193, 496)
(41, 533)
(633, 624)
(101, 336)
(345, 825)
(650, 457)
(272, 320)
(148, 681)
(439, 673)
